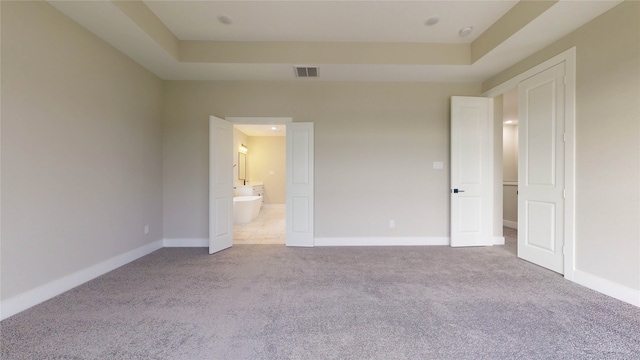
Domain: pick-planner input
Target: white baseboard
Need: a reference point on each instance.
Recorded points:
(510, 224)
(607, 287)
(381, 241)
(186, 242)
(19, 303)
(498, 240)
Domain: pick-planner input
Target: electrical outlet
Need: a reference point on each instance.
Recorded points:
(146, 229)
(392, 224)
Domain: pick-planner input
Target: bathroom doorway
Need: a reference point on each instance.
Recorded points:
(510, 169)
(259, 183)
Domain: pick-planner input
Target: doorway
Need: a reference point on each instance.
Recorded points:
(510, 170)
(259, 171)
(546, 162)
(299, 180)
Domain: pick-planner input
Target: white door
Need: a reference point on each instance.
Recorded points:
(541, 168)
(300, 184)
(220, 184)
(471, 171)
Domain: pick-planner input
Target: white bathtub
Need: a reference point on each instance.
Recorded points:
(246, 208)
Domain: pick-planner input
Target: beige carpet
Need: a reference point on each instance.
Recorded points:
(273, 302)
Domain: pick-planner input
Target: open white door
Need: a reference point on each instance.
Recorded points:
(541, 168)
(471, 171)
(300, 184)
(220, 184)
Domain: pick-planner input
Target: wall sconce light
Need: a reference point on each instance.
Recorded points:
(244, 148)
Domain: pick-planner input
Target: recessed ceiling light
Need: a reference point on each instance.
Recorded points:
(225, 19)
(432, 21)
(274, 128)
(466, 31)
(509, 122)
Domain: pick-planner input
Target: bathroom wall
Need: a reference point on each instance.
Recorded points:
(267, 162)
(238, 138)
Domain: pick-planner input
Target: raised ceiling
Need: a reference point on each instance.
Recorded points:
(367, 21)
(348, 40)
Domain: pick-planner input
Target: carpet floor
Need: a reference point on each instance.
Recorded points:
(274, 302)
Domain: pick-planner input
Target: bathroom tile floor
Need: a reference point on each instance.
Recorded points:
(268, 228)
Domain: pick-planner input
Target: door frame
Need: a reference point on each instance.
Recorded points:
(256, 120)
(569, 58)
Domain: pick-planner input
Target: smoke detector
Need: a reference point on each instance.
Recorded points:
(432, 21)
(466, 31)
(225, 19)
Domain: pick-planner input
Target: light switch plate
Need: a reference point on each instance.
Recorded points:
(438, 165)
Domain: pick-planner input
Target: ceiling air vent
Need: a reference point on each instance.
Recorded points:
(307, 71)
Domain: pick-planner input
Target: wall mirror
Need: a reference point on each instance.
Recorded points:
(242, 166)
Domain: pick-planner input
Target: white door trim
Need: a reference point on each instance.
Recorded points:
(569, 58)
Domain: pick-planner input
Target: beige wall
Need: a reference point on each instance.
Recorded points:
(510, 203)
(510, 171)
(510, 152)
(267, 161)
(497, 166)
(374, 148)
(509, 136)
(86, 163)
(607, 141)
(81, 149)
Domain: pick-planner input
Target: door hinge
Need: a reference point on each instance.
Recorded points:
(564, 79)
(564, 137)
(563, 250)
(564, 193)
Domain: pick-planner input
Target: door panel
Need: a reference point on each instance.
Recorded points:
(541, 168)
(221, 188)
(300, 184)
(470, 214)
(471, 171)
(300, 213)
(541, 236)
(541, 129)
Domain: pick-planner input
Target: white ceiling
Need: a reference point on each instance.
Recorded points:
(367, 21)
(262, 130)
(343, 21)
